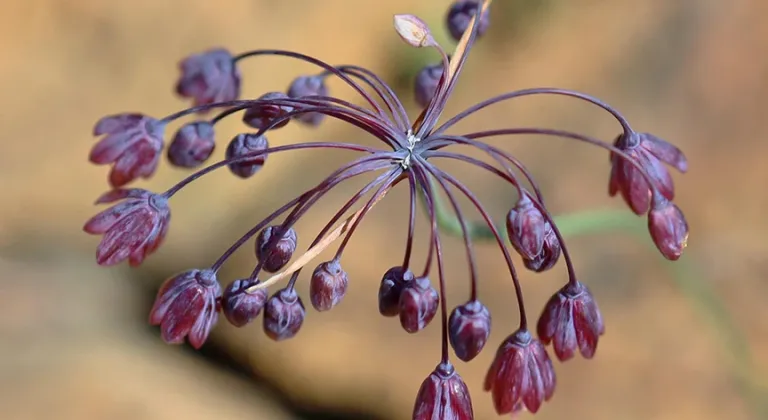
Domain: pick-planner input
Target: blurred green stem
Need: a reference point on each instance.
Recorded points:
(685, 274)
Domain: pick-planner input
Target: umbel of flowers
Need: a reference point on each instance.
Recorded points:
(188, 304)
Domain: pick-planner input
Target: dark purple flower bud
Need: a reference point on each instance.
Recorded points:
(308, 86)
(133, 143)
(276, 255)
(459, 15)
(261, 115)
(521, 373)
(391, 288)
(192, 145)
(444, 396)
(186, 307)
(209, 77)
(668, 228)
(651, 153)
(526, 227)
(549, 254)
(239, 306)
(469, 327)
(328, 285)
(243, 145)
(132, 229)
(571, 320)
(283, 314)
(426, 83)
(418, 304)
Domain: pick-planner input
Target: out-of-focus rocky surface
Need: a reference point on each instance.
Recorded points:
(74, 341)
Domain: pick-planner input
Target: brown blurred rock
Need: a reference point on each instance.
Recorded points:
(72, 350)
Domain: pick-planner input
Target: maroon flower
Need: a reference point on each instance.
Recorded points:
(308, 86)
(443, 396)
(283, 314)
(571, 320)
(275, 254)
(418, 304)
(390, 289)
(549, 254)
(469, 328)
(526, 227)
(328, 285)
(240, 307)
(186, 307)
(261, 116)
(209, 77)
(243, 145)
(133, 143)
(668, 228)
(651, 153)
(521, 373)
(132, 229)
(192, 145)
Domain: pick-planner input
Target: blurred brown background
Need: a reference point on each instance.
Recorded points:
(74, 339)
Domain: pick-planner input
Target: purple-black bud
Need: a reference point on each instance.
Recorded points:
(261, 115)
(240, 307)
(276, 255)
(328, 285)
(308, 86)
(283, 314)
(391, 288)
(460, 14)
(418, 304)
(426, 83)
(243, 145)
(192, 145)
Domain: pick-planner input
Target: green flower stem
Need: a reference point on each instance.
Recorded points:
(685, 275)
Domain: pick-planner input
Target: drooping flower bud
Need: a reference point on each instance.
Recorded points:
(468, 329)
(549, 254)
(186, 307)
(418, 304)
(192, 145)
(283, 314)
(571, 320)
(261, 115)
(521, 374)
(244, 145)
(132, 229)
(391, 288)
(132, 142)
(328, 285)
(668, 228)
(209, 77)
(276, 255)
(444, 396)
(240, 307)
(651, 153)
(426, 83)
(308, 86)
(460, 14)
(527, 226)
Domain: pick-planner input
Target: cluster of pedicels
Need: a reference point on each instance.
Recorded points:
(187, 305)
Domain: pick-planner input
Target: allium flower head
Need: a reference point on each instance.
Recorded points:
(132, 229)
(407, 152)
